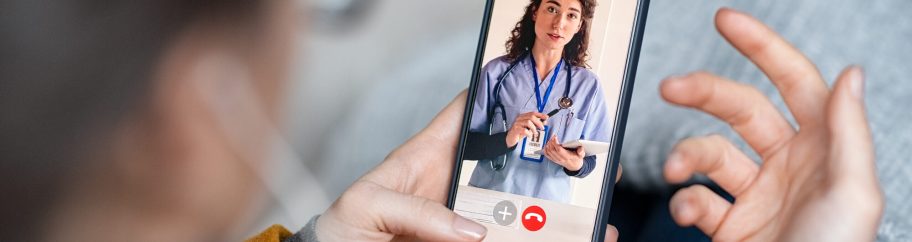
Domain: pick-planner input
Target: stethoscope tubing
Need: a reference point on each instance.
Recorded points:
(499, 85)
(497, 104)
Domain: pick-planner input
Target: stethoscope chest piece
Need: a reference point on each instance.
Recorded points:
(565, 103)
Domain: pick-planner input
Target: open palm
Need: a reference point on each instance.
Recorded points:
(816, 183)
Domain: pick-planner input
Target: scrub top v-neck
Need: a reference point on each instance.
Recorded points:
(590, 120)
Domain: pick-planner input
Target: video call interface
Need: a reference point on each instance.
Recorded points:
(542, 117)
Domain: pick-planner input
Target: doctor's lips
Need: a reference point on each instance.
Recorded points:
(554, 37)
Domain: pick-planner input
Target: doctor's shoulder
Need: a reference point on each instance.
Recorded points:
(585, 77)
(496, 66)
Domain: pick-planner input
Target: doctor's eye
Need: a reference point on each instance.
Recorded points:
(572, 16)
(551, 9)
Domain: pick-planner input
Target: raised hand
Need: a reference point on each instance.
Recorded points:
(816, 183)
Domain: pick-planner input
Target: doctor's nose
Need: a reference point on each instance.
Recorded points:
(558, 23)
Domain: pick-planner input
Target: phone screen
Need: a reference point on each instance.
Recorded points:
(545, 111)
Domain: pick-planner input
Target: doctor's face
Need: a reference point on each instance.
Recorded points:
(556, 22)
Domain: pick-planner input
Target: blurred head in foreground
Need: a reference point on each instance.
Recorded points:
(136, 120)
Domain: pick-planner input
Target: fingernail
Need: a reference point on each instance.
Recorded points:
(469, 229)
(856, 81)
(679, 210)
(673, 78)
(673, 83)
(611, 233)
(674, 161)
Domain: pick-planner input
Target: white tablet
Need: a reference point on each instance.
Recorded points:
(591, 147)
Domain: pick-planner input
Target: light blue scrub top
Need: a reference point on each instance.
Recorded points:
(591, 121)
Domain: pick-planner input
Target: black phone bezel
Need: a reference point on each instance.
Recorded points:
(633, 55)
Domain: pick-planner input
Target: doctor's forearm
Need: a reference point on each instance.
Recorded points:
(588, 166)
(481, 146)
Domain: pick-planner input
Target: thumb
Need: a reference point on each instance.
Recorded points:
(402, 214)
(611, 234)
(852, 150)
(851, 157)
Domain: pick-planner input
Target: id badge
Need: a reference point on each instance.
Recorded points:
(532, 145)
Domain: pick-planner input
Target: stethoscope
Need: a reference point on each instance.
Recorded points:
(564, 103)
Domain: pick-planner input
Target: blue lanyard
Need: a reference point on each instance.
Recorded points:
(539, 100)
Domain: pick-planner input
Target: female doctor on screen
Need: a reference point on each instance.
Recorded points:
(513, 137)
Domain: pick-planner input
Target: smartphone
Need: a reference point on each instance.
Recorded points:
(546, 72)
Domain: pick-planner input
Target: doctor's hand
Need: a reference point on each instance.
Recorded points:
(524, 125)
(816, 183)
(570, 159)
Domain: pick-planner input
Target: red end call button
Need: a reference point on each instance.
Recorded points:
(533, 218)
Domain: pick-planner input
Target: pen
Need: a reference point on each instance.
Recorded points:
(552, 113)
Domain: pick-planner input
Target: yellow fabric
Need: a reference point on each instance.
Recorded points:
(275, 233)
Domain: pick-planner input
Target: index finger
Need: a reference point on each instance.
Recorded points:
(540, 124)
(798, 80)
(537, 118)
(541, 116)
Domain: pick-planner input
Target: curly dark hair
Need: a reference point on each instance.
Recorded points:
(523, 35)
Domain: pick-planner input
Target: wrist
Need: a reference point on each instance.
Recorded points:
(574, 165)
(322, 228)
(334, 224)
(575, 172)
(511, 142)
